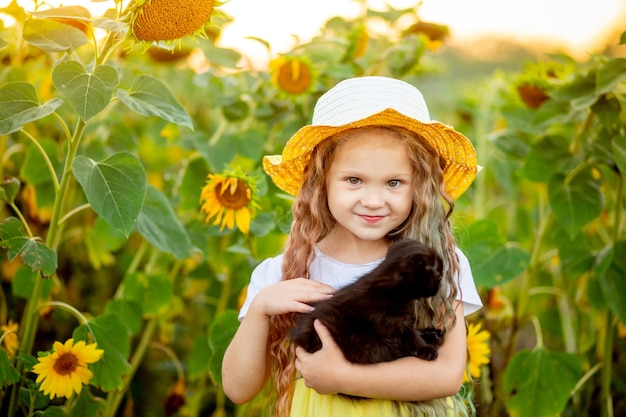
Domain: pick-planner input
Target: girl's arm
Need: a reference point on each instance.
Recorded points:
(246, 365)
(406, 379)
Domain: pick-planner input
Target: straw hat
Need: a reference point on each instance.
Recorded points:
(374, 101)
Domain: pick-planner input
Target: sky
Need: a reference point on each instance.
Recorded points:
(571, 24)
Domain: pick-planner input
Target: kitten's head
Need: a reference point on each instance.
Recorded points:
(416, 268)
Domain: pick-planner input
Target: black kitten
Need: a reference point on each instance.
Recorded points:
(373, 319)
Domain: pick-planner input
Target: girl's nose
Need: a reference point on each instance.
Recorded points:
(372, 200)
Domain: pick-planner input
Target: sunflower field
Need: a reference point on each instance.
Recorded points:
(134, 206)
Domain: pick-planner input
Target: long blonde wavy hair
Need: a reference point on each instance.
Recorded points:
(428, 222)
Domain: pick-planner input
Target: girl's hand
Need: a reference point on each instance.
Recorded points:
(293, 295)
(324, 369)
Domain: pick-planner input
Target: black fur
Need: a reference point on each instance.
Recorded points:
(373, 319)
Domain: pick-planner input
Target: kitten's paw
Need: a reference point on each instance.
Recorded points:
(428, 353)
(432, 336)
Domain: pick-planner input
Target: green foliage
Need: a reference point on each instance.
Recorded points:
(31, 251)
(149, 96)
(88, 93)
(20, 105)
(105, 150)
(539, 382)
(8, 374)
(560, 161)
(109, 332)
(115, 188)
(222, 331)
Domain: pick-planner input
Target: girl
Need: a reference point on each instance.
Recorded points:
(372, 168)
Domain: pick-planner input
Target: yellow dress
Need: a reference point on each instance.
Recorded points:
(308, 403)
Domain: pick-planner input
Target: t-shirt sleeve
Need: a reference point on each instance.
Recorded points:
(266, 273)
(468, 292)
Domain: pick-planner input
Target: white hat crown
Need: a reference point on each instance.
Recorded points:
(357, 98)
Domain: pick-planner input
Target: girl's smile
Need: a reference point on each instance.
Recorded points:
(371, 219)
(369, 185)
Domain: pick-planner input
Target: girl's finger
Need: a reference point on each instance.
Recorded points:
(324, 334)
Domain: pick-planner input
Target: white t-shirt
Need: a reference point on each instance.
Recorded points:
(338, 274)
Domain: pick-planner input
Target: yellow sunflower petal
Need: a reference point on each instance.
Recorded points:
(229, 218)
(64, 372)
(242, 218)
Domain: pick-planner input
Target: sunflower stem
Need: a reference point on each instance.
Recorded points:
(44, 155)
(115, 398)
(64, 306)
(30, 316)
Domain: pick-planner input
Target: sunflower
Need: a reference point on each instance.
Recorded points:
(358, 40)
(9, 337)
(293, 75)
(478, 350)
(229, 198)
(65, 370)
(167, 20)
(435, 33)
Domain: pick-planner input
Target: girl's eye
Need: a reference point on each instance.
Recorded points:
(353, 181)
(394, 183)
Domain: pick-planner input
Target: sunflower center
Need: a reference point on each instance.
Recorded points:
(233, 199)
(66, 364)
(171, 19)
(294, 77)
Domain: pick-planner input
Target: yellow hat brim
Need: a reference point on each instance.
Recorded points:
(286, 170)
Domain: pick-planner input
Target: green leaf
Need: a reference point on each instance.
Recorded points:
(607, 109)
(88, 93)
(234, 108)
(580, 92)
(538, 383)
(53, 36)
(222, 57)
(551, 112)
(115, 188)
(610, 74)
(24, 282)
(575, 203)
(101, 240)
(8, 374)
(493, 260)
(53, 411)
(9, 187)
(111, 335)
(11, 228)
(222, 332)
(613, 283)
(194, 178)
(129, 312)
(158, 223)
(34, 169)
(546, 157)
(65, 12)
(32, 251)
(199, 357)
(262, 224)
(109, 21)
(19, 105)
(86, 406)
(149, 96)
(153, 292)
(576, 255)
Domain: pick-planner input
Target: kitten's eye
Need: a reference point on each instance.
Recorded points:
(394, 183)
(353, 180)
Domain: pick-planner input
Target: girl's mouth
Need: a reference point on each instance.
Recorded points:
(370, 219)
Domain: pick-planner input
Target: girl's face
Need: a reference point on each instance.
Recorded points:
(369, 184)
